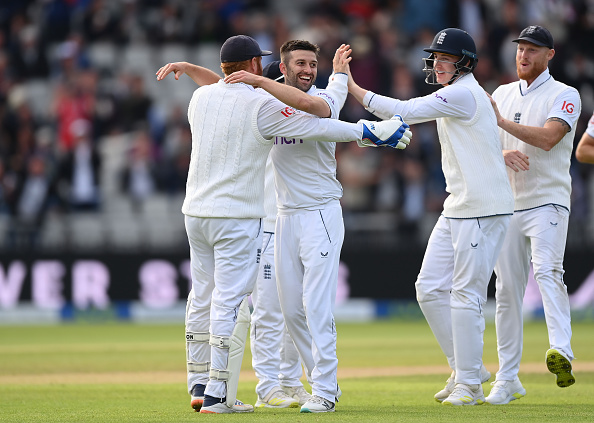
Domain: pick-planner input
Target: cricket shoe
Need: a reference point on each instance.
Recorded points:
(559, 364)
(277, 398)
(197, 396)
(465, 395)
(505, 391)
(317, 404)
(451, 382)
(297, 392)
(213, 405)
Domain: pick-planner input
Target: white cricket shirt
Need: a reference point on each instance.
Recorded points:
(548, 180)
(233, 128)
(472, 162)
(305, 170)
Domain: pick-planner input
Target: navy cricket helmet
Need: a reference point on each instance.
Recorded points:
(456, 42)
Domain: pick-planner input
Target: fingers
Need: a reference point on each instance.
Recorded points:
(234, 77)
(517, 161)
(166, 70)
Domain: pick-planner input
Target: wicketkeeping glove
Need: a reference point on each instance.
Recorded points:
(393, 133)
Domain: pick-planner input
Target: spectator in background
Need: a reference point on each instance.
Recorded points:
(177, 147)
(101, 22)
(139, 177)
(79, 170)
(28, 55)
(357, 172)
(31, 200)
(72, 104)
(134, 105)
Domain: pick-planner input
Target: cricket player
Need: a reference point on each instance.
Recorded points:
(537, 117)
(309, 226)
(463, 247)
(233, 128)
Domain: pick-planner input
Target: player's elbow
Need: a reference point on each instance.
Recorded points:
(314, 106)
(584, 156)
(579, 155)
(549, 143)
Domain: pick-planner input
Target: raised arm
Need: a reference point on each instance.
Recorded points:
(199, 74)
(354, 89)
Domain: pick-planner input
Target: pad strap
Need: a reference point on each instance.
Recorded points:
(197, 336)
(198, 367)
(220, 341)
(217, 374)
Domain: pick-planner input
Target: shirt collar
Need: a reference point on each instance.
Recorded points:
(540, 79)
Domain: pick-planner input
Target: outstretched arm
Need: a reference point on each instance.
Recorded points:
(199, 74)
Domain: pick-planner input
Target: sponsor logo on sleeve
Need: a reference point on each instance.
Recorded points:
(326, 96)
(437, 96)
(568, 107)
(288, 111)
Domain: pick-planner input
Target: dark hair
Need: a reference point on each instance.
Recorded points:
(294, 45)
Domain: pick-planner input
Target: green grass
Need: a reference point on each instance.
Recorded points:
(136, 373)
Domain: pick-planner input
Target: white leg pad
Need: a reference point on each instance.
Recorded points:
(236, 344)
(198, 337)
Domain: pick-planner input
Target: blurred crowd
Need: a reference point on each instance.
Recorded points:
(83, 121)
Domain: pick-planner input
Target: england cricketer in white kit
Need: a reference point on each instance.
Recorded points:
(233, 128)
(275, 358)
(537, 116)
(462, 249)
(309, 225)
(584, 152)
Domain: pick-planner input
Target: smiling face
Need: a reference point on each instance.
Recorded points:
(532, 60)
(301, 70)
(445, 67)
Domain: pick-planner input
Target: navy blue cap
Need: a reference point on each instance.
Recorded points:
(241, 47)
(536, 34)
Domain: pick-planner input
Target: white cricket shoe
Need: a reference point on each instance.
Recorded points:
(277, 398)
(560, 365)
(505, 391)
(297, 392)
(466, 395)
(451, 382)
(317, 404)
(214, 405)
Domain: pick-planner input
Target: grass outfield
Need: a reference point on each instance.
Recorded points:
(388, 372)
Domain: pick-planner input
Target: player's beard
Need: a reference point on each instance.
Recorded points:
(532, 72)
(293, 80)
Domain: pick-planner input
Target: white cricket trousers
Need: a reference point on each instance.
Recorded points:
(539, 233)
(452, 287)
(274, 357)
(224, 256)
(308, 244)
